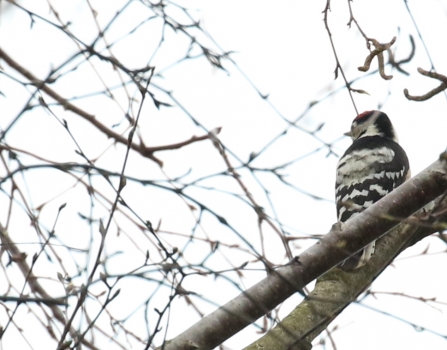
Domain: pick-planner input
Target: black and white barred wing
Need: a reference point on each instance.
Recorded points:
(367, 173)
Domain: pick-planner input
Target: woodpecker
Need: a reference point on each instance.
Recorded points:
(372, 167)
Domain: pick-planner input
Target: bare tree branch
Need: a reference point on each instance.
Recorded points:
(140, 148)
(34, 284)
(338, 66)
(336, 289)
(340, 243)
(25, 299)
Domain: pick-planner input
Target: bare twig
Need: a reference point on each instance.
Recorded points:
(337, 62)
(397, 64)
(258, 209)
(140, 148)
(24, 299)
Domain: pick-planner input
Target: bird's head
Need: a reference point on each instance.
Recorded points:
(372, 123)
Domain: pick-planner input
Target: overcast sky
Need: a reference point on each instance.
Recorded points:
(280, 49)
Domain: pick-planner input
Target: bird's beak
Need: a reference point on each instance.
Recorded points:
(349, 134)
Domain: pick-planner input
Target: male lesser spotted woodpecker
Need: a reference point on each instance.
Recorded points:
(373, 166)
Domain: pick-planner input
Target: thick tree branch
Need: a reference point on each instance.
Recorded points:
(336, 289)
(331, 250)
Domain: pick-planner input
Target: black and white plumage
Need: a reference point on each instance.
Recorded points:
(372, 167)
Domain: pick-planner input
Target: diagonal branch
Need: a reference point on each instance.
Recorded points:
(332, 249)
(118, 138)
(34, 284)
(336, 289)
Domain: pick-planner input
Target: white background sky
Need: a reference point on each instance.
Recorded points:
(284, 50)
